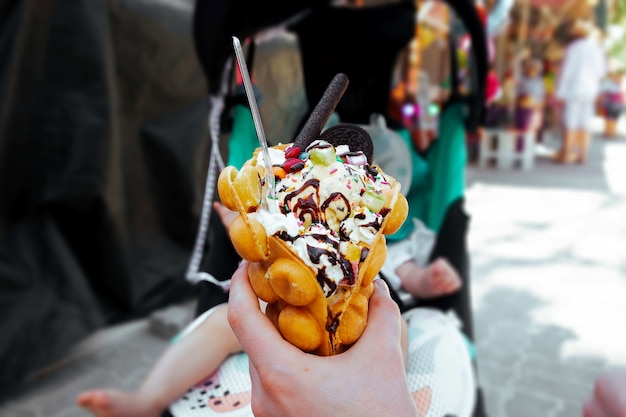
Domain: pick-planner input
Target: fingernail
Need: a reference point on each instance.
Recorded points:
(382, 286)
(242, 264)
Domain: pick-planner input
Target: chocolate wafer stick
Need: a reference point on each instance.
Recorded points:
(322, 111)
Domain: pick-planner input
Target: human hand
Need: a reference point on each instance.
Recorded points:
(226, 215)
(609, 396)
(367, 380)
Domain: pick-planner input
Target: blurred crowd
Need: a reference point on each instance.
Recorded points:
(563, 95)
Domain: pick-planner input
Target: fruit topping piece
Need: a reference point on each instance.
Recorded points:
(322, 156)
(373, 201)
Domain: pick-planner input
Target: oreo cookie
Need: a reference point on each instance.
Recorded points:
(354, 136)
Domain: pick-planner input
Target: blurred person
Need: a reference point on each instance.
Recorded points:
(532, 92)
(608, 398)
(583, 68)
(495, 110)
(551, 116)
(493, 90)
(613, 91)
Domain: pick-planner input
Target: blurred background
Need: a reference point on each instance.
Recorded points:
(104, 151)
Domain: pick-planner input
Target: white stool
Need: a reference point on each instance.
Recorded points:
(504, 149)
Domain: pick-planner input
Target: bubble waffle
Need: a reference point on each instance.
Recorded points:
(315, 250)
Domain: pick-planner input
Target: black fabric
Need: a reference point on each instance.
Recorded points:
(480, 409)
(103, 158)
(465, 11)
(451, 243)
(216, 21)
(362, 43)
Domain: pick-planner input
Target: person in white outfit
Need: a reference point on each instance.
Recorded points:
(583, 68)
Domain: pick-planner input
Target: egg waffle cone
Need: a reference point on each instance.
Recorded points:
(297, 304)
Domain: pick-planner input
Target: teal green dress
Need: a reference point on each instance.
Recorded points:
(439, 177)
(243, 139)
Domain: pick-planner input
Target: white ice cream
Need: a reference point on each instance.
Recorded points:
(324, 203)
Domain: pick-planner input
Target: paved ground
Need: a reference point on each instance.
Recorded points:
(549, 287)
(549, 280)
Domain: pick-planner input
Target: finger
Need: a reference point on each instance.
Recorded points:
(383, 321)
(258, 393)
(592, 409)
(257, 335)
(609, 392)
(382, 306)
(218, 207)
(254, 376)
(243, 305)
(225, 214)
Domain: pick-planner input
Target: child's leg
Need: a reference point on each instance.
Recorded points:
(183, 364)
(569, 143)
(436, 279)
(610, 127)
(583, 137)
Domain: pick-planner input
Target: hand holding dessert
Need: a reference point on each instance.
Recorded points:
(297, 384)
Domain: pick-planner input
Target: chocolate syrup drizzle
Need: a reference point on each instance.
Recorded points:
(308, 211)
(334, 324)
(303, 206)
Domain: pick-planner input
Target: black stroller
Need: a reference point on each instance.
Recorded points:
(351, 40)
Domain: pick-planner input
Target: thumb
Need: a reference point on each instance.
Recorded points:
(383, 321)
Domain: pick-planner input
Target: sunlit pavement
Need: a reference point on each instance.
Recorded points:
(548, 254)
